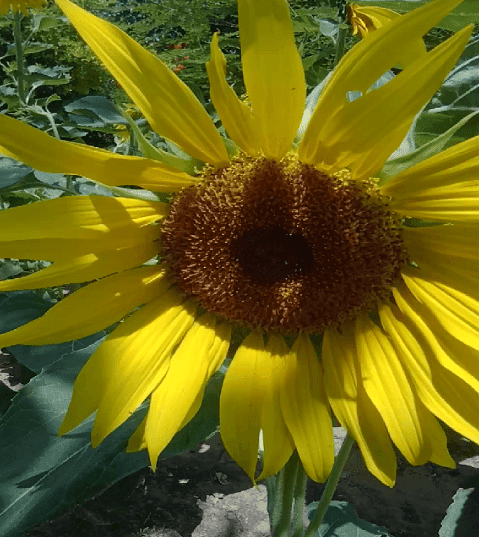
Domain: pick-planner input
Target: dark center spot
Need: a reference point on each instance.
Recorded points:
(270, 254)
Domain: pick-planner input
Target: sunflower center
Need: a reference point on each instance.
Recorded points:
(271, 254)
(282, 246)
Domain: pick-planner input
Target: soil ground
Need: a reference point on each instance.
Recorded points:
(168, 503)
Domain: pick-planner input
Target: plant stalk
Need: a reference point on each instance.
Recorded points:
(283, 498)
(17, 36)
(299, 501)
(331, 485)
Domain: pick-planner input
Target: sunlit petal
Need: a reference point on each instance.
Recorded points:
(451, 353)
(241, 404)
(278, 444)
(200, 354)
(362, 134)
(133, 360)
(77, 218)
(236, 116)
(449, 252)
(352, 406)
(21, 141)
(306, 411)
(457, 312)
(90, 266)
(443, 188)
(170, 107)
(446, 395)
(367, 19)
(91, 308)
(273, 73)
(411, 426)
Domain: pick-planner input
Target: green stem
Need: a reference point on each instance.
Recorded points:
(270, 483)
(283, 498)
(331, 485)
(299, 502)
(51, 120)
(343, 30)
(17, 36)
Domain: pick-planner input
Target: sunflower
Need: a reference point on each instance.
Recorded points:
(293, 244)
(19, 5)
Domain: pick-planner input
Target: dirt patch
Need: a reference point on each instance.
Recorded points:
(172, 501)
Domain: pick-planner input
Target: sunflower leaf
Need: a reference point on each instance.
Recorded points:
(94, 110)
(11, 171)
(341, 520)
(428, 150)
(461, 518)
(42, 475)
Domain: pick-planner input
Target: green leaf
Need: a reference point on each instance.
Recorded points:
(20, 307)
(87, 111)
(85, 187)
(341, 520)
(48, 178)
(396, 166)
(43, 76)
(182, 162)
(40, 357)
(42, 475)
(9, 96)
(328, 27)
(9, 268)
(31, 48)
(11, 171)
(44, 22)
(462, 519)
(460, 91)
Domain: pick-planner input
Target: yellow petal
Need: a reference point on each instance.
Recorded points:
(236, 116)
(75, 218)
(457, 312)
(367, 19)
(90, 309)
(352, 406)
(170, 107)
(362, 134)
(91, 266)
(278, 444)
(134, 359)
(446, 395)
(200, 354)
(306, 410)
(449, 252)
(22, 142)
(451, 353)
(137, 440)
(241, 404)
(273, 73)
(411, 426)
(443, 188)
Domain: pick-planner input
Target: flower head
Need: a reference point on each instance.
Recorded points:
(19, 5)
(281, 240)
